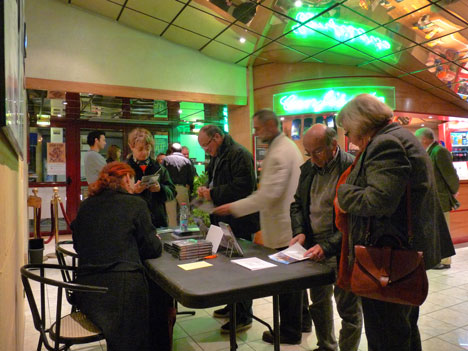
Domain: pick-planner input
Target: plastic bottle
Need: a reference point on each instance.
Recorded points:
(184, 216)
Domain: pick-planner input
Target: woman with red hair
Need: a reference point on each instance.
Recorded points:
(113, 235)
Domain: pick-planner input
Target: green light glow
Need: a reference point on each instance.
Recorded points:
(342, 30)
(338, 30)
(326, 100)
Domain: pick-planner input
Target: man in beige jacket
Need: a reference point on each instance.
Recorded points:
(278, 183)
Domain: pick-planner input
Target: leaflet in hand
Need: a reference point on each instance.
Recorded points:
(203, 205)
(292, 254)
(150, 179)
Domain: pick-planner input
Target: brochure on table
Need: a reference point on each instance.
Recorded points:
(253, 263)
(292, 254)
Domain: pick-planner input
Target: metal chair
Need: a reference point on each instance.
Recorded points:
(73, 328)
(62, 251)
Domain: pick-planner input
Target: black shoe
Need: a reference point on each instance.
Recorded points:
(222, 312)
(268, 337)
(442, 266)
(306, 328)
(240, 326)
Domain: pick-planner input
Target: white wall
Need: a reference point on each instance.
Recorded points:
(70, 44)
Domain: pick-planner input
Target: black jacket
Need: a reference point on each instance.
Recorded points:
(156, 201)
(233, 179)
(300, 213)
(180, 169)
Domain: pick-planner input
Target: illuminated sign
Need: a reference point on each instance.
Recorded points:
(342, 30)
(326, 100)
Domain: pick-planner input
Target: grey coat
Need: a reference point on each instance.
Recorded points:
(376, 188)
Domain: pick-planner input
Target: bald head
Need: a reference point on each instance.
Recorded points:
(320, 143)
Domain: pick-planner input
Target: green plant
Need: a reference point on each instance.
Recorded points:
(200, 180)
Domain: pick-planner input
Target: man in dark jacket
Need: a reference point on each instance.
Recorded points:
(313, 225)
(181, 172)
(446, 177)
(231, 177)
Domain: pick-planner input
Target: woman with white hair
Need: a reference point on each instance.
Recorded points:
(375, 191)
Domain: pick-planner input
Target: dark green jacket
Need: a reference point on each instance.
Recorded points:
(376, 188)
(300, 214)
(445, 176)
(233, 179)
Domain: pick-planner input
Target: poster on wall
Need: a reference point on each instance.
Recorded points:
(12, 94)
(56, 159)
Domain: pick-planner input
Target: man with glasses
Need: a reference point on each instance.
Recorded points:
(313, 225)
(231, 177)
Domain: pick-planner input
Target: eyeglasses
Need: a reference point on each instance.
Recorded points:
(316, 152)
(205, 147)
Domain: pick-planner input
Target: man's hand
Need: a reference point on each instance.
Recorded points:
(299, 238)
(223, 210)
(315, 253)
(200, 191)
(204, 192)
(155, 188)
(138, 187)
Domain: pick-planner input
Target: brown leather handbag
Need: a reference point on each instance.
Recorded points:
(391, 275)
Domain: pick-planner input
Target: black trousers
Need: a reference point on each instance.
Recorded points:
(391, 326)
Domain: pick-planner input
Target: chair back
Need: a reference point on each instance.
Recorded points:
(70, 329)
(62, 250)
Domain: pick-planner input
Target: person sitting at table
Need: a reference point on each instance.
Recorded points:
(112, 235)
(141, 143)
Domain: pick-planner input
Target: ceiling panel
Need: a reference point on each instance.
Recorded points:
(153, 8)
(232, 37)
(142, 22)
(102, 7)
(201, 22)
(380, 66)
(275, 52)
(184, 37)
(223, 52)
(343, 53)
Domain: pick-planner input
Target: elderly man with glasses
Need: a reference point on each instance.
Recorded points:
(231, 177)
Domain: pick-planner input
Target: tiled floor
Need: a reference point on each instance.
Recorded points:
(443, 321)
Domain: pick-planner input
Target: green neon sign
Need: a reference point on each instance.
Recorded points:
(342, 30)
(326, 100)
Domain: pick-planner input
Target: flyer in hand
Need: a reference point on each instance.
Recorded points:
(151, 179)
(292, 254)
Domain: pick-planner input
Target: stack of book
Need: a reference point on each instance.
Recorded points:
(189, 248)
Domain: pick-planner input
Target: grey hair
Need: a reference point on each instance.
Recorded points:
(265, 115)
(425, 132)
(330, 136)
(175, 147)
(211, 130)
(364, 114)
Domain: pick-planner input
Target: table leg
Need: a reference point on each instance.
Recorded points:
(232, 329)
(276, 325)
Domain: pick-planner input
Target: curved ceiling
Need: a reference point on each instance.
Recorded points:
(423, 42)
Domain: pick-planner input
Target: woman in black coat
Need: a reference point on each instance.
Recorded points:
(375, 190)
(112, 235)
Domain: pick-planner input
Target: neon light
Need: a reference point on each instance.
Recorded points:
(339, 31)
(326, 100)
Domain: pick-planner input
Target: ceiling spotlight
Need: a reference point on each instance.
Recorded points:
(298, 3)
(431, 117)
(422, 124)
(64, 102)
(282, 118)
(242, 40)
(59, 115)
(180, 111)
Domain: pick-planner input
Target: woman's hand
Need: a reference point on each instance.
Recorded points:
(138, 187)
(155, 188)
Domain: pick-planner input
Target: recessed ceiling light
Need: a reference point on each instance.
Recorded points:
(431, 117)
(64, 102)
(298, 3)
(180, 111)
(59, 115)
(282, 118)
(422, 124)
(242, 40)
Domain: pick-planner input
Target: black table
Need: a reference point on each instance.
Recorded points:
(226, 282)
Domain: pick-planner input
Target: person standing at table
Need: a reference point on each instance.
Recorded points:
(155, 194)
(446, 177)
(278, 183)
(94, 161)
(313, 223)
(231, 177)
(186, 153)
(180, 170)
